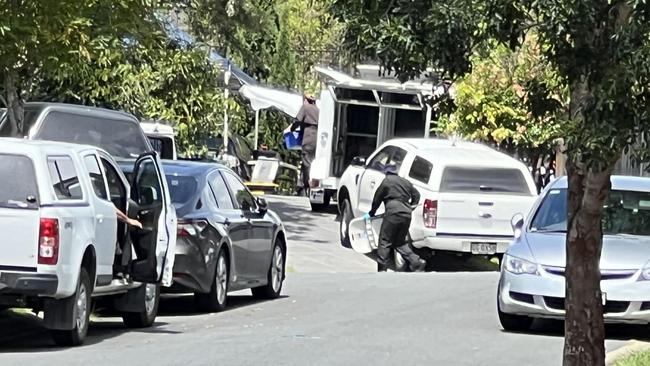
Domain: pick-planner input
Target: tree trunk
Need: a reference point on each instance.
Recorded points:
(15, 108)
(584, 342)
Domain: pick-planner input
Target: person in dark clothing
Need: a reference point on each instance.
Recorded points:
(307, 121)
(397, 194)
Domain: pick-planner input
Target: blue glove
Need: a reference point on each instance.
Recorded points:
(366, 216)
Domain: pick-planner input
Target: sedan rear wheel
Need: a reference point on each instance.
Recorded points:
(216, 299)
(275, 275)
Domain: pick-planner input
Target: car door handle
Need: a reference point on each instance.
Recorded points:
(100, 218)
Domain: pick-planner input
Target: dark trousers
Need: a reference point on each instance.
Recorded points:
(308, 156)
(394, 229)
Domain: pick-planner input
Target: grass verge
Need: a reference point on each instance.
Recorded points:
(636, 359)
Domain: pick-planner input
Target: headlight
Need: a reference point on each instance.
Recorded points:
(520, 266)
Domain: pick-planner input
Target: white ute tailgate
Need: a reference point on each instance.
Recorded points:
(19, 239)
(19, 212)
(482, 201)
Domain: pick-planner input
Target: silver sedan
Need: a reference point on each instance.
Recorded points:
(532, 271)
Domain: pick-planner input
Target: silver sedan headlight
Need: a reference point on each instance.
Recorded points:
(519, 266)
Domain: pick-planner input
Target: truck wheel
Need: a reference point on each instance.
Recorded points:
(275, 276)
(346, 217)
(79, 305)
(216, 299)
(147, 317)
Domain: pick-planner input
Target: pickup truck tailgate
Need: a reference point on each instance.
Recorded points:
(19, 239)
(477, 214)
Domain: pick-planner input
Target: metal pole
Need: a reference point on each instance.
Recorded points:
(226, 93)
(427, 127)
(257, 128)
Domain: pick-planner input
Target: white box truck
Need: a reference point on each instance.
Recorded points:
(357, 115)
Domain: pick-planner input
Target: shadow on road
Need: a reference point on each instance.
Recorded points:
(622, 332)
(24, 332)
(183, 305)
(299, 221)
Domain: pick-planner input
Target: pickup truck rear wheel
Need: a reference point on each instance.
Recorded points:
(79, 305)
(346, 217)
(147, 317)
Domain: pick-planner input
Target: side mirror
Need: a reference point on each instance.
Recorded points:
(75, 190)
(517, 223)
(262, 205)
(358, 161)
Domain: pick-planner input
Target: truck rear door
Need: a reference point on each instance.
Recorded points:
(19, 213)
(481, 201)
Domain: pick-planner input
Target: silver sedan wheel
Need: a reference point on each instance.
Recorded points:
(221, 280)
(277, 268)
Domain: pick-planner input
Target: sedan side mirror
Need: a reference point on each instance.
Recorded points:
(358, 161)
(517, 223)
(262, 205)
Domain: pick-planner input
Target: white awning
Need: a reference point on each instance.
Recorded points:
(262, 98)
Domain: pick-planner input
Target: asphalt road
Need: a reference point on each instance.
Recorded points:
(327, 316)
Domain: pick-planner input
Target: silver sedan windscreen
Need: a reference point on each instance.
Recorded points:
(624, 212)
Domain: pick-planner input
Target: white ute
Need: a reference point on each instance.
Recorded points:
(61, 243)
(469, 193)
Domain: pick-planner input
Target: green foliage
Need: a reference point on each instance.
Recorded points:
(512, 99)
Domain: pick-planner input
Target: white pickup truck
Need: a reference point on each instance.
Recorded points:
(62, 244)
(469, 193)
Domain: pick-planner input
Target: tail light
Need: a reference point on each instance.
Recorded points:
(48, 241)
(314, 183)
(190, 227)
(430, 214)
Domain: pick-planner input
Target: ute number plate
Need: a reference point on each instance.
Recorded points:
(483, 248)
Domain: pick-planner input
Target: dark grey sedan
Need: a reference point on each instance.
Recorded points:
(227, 240)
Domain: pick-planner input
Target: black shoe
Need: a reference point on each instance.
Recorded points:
(419, 266)
(381, 267)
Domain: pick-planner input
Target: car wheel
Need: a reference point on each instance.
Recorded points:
(146, 318)
(79, 305)
(346, 217)
(512, 322)
(216, 299)
(275, 275)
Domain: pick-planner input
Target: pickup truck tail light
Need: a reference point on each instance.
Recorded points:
(48, 241)
(193, 227)
(430, 214)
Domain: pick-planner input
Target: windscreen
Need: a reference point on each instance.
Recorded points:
(120, 138)
(18, 182)
(624, 212)
(164, 146)
(181, 188)
(484, 180)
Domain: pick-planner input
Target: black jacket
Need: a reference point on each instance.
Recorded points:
(397, 194)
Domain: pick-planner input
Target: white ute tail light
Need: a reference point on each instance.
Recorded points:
(430, 213)
(48, 241)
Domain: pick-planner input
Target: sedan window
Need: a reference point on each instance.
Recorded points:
(18, 182)
(624, 212)
(244, 198)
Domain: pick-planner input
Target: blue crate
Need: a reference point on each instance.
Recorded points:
(293, 140)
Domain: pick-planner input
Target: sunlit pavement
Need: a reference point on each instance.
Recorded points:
(353, 317)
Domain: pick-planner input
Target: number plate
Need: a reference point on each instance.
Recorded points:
(483, 248)
(317, 196)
